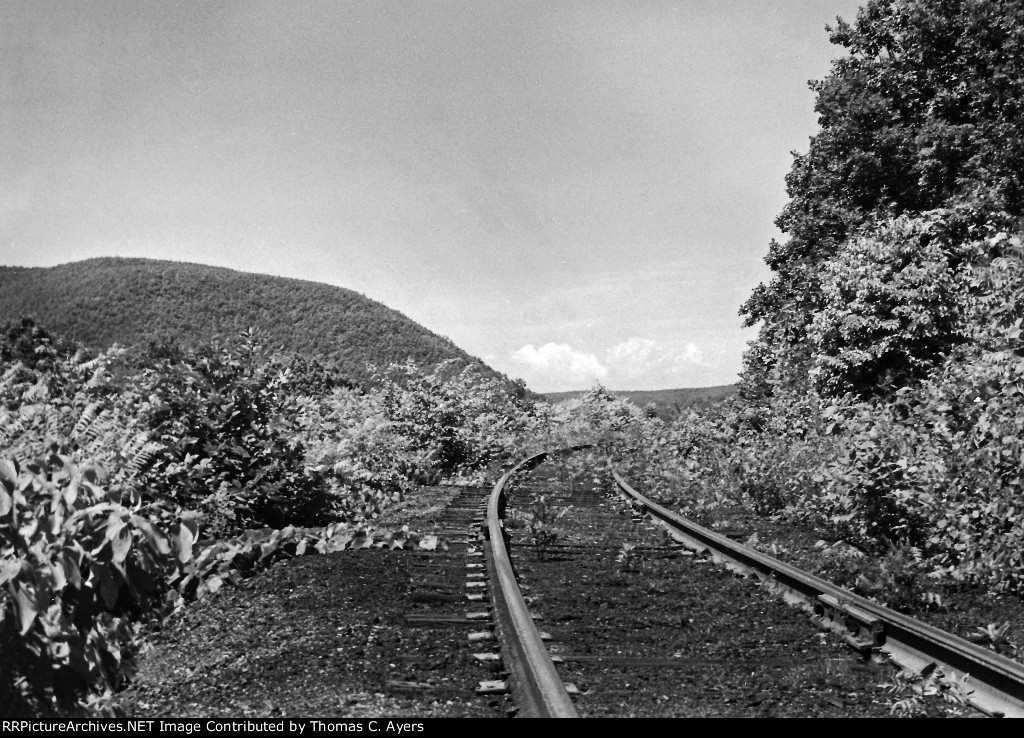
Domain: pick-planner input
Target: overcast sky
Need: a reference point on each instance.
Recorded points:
(575, 192)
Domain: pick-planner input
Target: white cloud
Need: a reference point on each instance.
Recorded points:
(637, 357)
(636, 363)
(558, 365)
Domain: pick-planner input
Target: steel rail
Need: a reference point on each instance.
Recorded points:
(536, 685)
(997, 683)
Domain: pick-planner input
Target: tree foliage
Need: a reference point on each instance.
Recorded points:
(925, 111)
(225, 420)
(881, 401)
(76, 560)
(894, 305)
(132, 302)
(115, 468)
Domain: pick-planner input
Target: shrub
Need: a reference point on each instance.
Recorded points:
(75, 561)
(894, 305)
(222, 424)
(458, 422)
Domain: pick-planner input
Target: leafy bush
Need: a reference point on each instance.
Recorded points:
(540, 520)
(222, 424)
(76, 560)
(877, 488)
(240, 437)
(63, 393)
(894, 306)
(415, 426)
(352, 446)
(32, 346)
(460, 421)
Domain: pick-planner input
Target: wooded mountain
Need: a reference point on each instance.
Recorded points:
(103, 301)
(668, 404)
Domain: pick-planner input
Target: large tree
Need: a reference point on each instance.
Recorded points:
(925, 111)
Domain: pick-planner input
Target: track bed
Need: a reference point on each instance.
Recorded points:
(641, 627)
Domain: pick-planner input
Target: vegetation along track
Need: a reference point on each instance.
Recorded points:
(609, 605)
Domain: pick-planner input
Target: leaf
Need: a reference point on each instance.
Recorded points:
(338, 542)
(27, 611)
(69, 494)
(72, 572)
(28, 530)
(114, 526)
(157, 540)
(109, 587)
(121, 543)
(60, 465)
(8, 476)
(191, 521)
(184, 540)
(95, 474)
(9, 569)
(428, 543)
(57, 575)
(214, 583)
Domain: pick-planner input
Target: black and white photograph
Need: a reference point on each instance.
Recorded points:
(367, 366)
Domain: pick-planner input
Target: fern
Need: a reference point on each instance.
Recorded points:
(97, 377)
(90, 365)
(86, 420)
(11, 427)
(144, 456)
(10, 376)
(38, 392)
(98, 430)
(133, 446)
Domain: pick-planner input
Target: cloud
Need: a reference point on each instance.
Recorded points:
(637, 357)
(636, 363)
(558, 365)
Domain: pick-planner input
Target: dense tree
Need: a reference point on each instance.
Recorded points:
(31, 345)
(926, 111)
(885, 387)
(895, 302)
(99, 302)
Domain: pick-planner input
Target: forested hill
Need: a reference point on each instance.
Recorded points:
(668, 404)
(128, 301)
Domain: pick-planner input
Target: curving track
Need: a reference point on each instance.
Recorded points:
(624, 662)
(538, 689)
(996, 682)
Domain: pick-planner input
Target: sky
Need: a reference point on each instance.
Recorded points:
(576, 192)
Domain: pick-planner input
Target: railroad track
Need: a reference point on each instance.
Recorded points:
(618, 606)
(448, 605)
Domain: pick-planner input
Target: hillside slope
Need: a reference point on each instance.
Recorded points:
(128, 301)
(667, 403)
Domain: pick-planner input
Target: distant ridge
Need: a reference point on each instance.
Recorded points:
(103, 301)
(668, 403)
